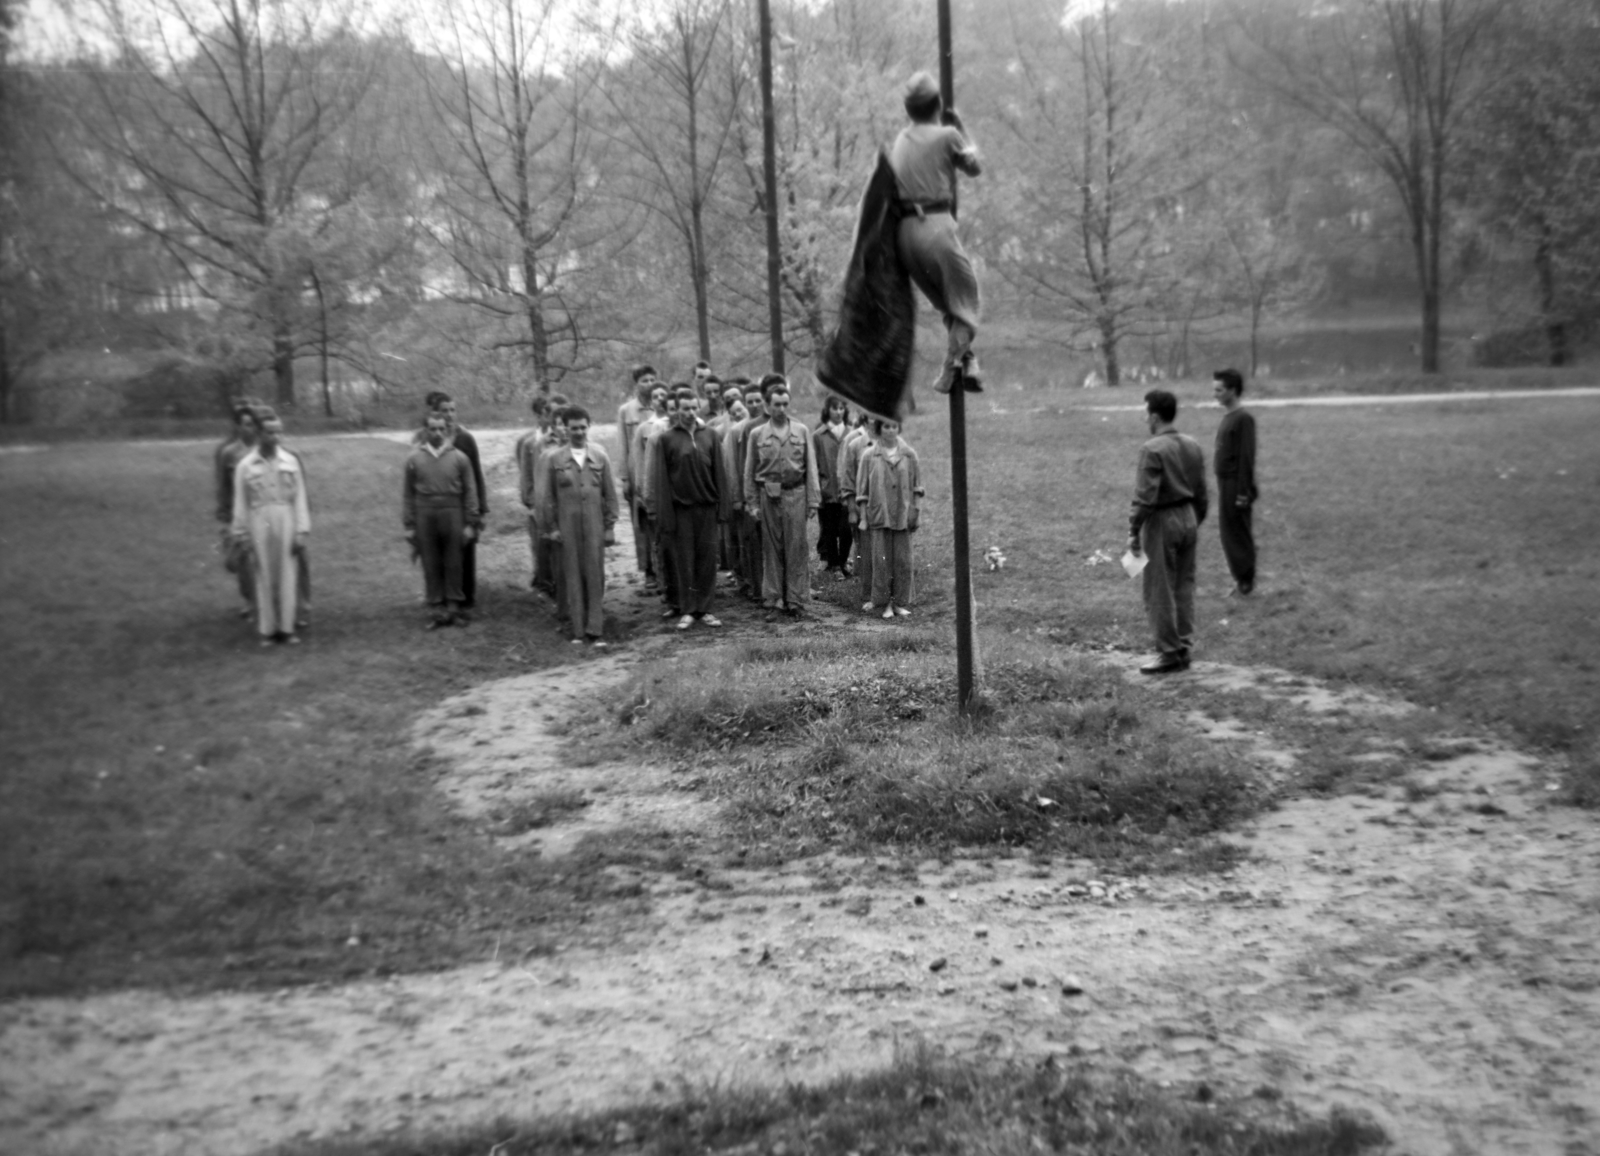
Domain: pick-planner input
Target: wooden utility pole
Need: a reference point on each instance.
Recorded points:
(966, 641)
(769, 170)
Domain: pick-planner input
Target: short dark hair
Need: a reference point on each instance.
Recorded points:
(640, 370)
(702, 365)
(829, 401)
(1161, 403)
(771, 384)
(923, 108)
(681, 391)
(574, 412)
(1230, 378)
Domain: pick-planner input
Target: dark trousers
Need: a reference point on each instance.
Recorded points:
(665, 547)
(644, 542)
(694, 557)
(750, 552)
(439, 530)
(469, 572)
(1170, 539)
(833, 542)
(1238, 539)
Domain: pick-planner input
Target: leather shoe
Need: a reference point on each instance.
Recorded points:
(1164, 665)
(971, 375)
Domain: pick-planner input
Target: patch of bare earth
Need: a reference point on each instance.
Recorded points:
(1428, 962)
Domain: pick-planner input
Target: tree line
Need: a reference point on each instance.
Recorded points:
(511, 194)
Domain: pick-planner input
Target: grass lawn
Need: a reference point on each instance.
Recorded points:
(178, 807)
(922, 1104)
(181, 807)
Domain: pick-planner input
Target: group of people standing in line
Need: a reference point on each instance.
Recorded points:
(717, 478)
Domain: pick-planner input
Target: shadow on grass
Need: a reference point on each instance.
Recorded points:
(923, 1103)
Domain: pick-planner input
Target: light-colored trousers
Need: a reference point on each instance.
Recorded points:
(785, 573)
(277, 574)
(1170, 537)
(892, 567)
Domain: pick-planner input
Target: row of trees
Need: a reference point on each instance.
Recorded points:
(528, 189)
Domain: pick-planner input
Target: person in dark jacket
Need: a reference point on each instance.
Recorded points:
(1169, 503)
(1234, 461)
(689, 497)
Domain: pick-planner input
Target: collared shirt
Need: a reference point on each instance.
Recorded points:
(925, 158)
(780, 460)
(1172, 472)
(828, 440)
(439, 476)
(637, 465)
(629, 414)
(260, 481)
(888, 484)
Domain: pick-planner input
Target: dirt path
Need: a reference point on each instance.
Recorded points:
(1430, 962)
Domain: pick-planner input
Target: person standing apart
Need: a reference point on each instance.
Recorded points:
(271, 511)
(782, 492)
(235, 552)
(1169, 503)
(888, 494)
(833, 537)
(630, 415)
(1234, 461)
(925, 157)
(468, 445)
(439, 509)
(580, 507)
(690, 497)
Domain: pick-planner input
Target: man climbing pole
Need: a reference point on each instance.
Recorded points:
(925, 158)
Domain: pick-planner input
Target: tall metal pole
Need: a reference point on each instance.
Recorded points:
(769, 167)
(966, 644)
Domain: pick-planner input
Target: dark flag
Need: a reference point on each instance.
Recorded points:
(868, 358)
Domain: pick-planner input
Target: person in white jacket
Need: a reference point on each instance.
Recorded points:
(271, 512)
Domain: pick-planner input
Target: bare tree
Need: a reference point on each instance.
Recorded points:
(674, 104)
(206, 132)
(1108, 151)
(521, 164)
(1398, 78)
(1534, 157)
(838, 71)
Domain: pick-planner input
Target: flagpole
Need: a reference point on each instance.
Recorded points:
(966, 642)
(769, 170)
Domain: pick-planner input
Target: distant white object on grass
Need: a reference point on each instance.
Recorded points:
(1134, 564)
(1099, 558)
(993, 556)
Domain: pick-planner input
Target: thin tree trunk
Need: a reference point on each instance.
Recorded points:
(5, 377)
(283, 360)
(538, 338)
(697, 246)
(1555, 328)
